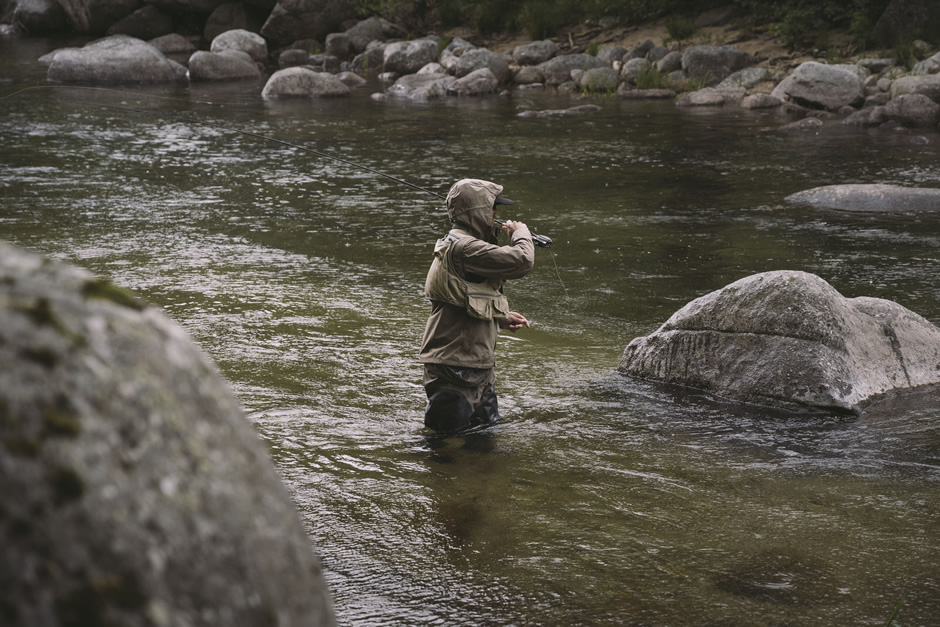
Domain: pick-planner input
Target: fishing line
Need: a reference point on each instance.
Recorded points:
(542, 241)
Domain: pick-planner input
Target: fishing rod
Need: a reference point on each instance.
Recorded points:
(539, 240)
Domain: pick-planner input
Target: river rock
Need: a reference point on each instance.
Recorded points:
(626, 92)
(230, 65)
(928, 85)
(747, 78)
(913, 110)
(760, 101)
(175, 47)
(134, 491)
(241, 40)
(115, 59)
(364, 32)
(476, 83)
(870, 197)
(291, 20)
(600, 80)
(713, 64)
(351, 79)
(611, 54)
(303, 82)
(558, 69)
(93, 17)
(39, 17)
(147, 22)
(422, 87)
(631, 69)
(528, 75)
(230, 16)
(640, 51)
(900, 17)
(711, 96)
(479, 58)
(369, 61)
(788, 339)
(535, 52)
(554, 113)
(672, 62)
(407, 57)
(817, 85)
(930, 65)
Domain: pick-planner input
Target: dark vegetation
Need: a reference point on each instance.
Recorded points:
(799, 23)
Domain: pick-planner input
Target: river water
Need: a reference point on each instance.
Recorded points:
(599, 500)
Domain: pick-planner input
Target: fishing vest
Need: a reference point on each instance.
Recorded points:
(483, 300)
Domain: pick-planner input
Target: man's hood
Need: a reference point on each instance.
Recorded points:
(470, 206)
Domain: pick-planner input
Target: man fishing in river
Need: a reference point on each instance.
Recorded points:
(468, 307)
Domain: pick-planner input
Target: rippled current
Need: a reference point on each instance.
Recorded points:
(599, 500)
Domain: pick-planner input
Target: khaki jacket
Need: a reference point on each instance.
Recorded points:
(452, 336)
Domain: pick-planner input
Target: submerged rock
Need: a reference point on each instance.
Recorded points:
(870, 197)
(133, 490)
(788, 339)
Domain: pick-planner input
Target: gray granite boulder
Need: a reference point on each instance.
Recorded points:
(291, 20)
(115, 59)
(930, 65)
(133, 489)
(788, 339)
(479, 58)
(422, 87)
(230, 65)
(476, 83)
(241, 40)
(870, 197)
(39, 17)
(928, 85)
(713, 64)
(600, 80)
(175, 47)
(407, 57)
(147, 22)
(364, 32)
(558, 69)
(534, 52)
(631, 70)
(818, 85)
(369, 61)
(302, 82)
(913, 110)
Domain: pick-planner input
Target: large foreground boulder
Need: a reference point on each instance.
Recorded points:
(788, 339)
(115, 59)
(870, 197)
(133, 491)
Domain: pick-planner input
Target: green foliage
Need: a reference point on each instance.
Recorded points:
(680, 27)
(905, 54)
(593, 48)
(651, 78)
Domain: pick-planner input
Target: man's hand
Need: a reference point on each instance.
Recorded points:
(514, 321)
(511, 225)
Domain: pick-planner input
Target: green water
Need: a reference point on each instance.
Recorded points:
(599, 500)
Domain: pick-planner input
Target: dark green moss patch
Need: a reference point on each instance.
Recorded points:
(66, 485)
(20, 445)
(43, 356)
(59, 422)
(88, 604)
(106, 290)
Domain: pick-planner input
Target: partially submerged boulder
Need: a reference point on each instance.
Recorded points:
(115, 59)
(870, 197)
(228, 65)
(133, 490)
(788, 339)
(302, 82)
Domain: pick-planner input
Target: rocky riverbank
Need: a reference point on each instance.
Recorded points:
(718, 65)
